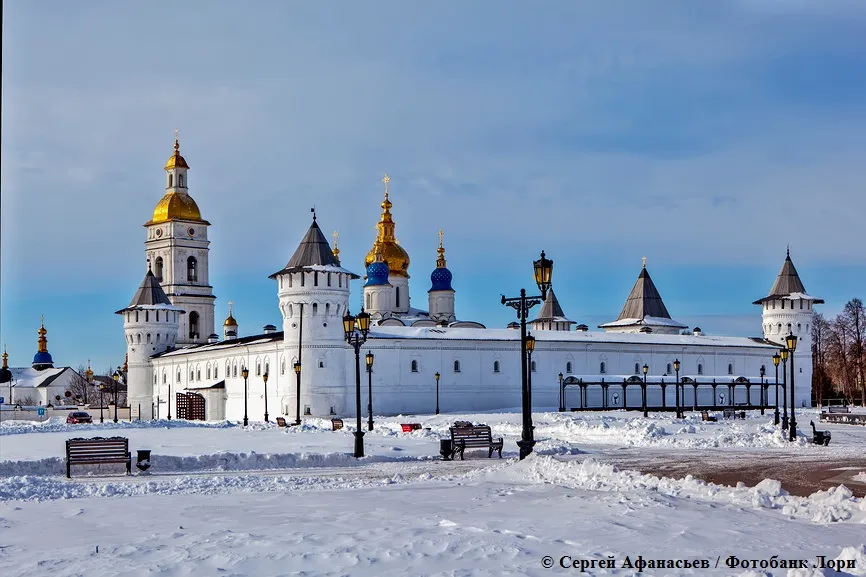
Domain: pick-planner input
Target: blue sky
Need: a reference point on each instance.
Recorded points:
(705, 136)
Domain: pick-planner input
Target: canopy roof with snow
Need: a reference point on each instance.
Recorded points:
(149, 295)
(313, 253)
(644, 307)
(551, 311)
(788, 285)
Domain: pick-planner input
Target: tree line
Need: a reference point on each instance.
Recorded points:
(839, 355)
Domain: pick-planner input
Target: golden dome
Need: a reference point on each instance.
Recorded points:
(176, 206)
(176, 160)
(230, 321)
(386, 242)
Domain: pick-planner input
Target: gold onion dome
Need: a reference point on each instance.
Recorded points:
(176, 206)
(176, 160)
(386, 243)
(230, 321)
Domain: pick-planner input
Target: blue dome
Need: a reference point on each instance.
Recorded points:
(377, 274)
(441, 279)
(43, 359)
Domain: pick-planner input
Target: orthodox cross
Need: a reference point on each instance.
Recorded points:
(386, 180)
(336, 235)
(440, 237)
(643, 260)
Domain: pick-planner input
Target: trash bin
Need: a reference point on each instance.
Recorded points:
(143, 460)
(445, 449)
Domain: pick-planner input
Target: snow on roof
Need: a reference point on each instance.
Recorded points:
(646, 321)
(330, 268)
(28, 377)
(228, 344)
(472, 334)
(670, 378)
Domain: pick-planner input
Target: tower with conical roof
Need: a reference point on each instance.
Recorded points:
(42, 359)
(440, 297)
(177, 248)
(551, 317)
(644, 309)
(151, 324)
(313, 291)
(789, 309)
(397, 258)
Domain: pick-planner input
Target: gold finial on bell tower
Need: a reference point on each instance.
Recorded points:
(643, 261)
(440, 261)
(336, 250)
(42, 341)
(5, 358)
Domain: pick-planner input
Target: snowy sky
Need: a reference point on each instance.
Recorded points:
(705, 136)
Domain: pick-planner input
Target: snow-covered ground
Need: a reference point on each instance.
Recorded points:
(227, 500)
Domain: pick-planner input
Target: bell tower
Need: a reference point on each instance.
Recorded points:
(177, 248)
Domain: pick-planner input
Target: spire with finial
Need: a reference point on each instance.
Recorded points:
(440, 261)
(336, 250)
(176, 160)
(230, 320)
(5, 358)
(5, 373)
(396, 257)
(43, 340)
(313, 210)
(788, 251)
(88, 374)
(643, 262)
(42, 358)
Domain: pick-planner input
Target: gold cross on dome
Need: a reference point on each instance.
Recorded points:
(440, 237)
(336, 236)
(386, 180)
(643, 260)
(230, 307)
(176, 133)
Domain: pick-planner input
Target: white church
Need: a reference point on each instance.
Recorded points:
(178, 366)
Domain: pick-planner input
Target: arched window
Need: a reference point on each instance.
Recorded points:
(316, 278)
(730, 369)
(235, 370)
(763, 369)
(178, 376)
(197, 374)
(532, 366)
(668, 369)
(193, 325)
(148, 338)
(258, 368)
(191, 375)
(291, 311)
(369, 301)
(267, 368)
(208, 372)
(495, 366)
(700, 369)
(414, 366)
(164, 377)
(602, 368)
(138, 338)
(180, 180)
(456, 366)
(283, 367)
(568, 367)
(216, 371)
(315, 309)
(157, 272)
(328, 308)
(192, 269)
(170, 180)
(228, 369)
(397, 296)
(637, 368)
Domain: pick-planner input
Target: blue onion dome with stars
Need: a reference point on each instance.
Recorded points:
(42, 359)
(440, 278)
(377, 271)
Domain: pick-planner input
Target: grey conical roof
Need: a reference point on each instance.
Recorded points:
(313, 250)
(787, 282)
(551, 310)
(149, 293)
(644, 300)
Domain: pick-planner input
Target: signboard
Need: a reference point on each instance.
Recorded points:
(40, 411)
(135, 412)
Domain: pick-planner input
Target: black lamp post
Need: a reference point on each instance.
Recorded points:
(355, 329)
(245, 372)
(369, 359)
(101, 386)
(436, 376)
(116, 377)
(168, 402)
(530, 346)
(265, 379)
(677, 387)
(764, 392)
(791, 341)
(643, 390)
(543, 275)
(561, 395)
(297, 367)
(784, 355)
(776, 359)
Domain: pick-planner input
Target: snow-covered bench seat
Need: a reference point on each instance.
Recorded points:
(96, 451)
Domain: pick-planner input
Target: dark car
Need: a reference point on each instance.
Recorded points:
(79, 417)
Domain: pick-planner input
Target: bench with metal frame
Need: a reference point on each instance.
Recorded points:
(336, 424)
(838, 409)
(705, 416)
(734, 414)
(96, 451)
(474, 437)
(820, 437)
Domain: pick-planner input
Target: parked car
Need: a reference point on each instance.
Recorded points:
(79, 417)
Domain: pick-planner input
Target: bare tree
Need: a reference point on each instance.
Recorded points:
(855, 322)
(822, 384)
(82, 391)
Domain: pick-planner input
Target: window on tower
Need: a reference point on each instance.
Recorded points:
(170, 180)
(192, 269)
(414, 366)
(568, 367)
(180, 180)
(397, 293)
(158, 269)
(193, 325)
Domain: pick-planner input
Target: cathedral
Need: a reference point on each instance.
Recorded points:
(179, 367)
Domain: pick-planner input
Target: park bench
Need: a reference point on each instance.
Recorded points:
(409, 427)
(336, 424)
(705, 416)
(820, 437)
(838, 409)
(732, 414)
(281, 422)
(474, 437)
(96, 451)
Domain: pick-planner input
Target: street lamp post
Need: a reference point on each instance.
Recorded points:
(530, 346)
(543, 275)
(116, 377)
(764, 392)
(677, 387)
(776, 359)
(643, 390)
(369, 359)
(791, 341)
(436, 376)
(101, 387)
(245, 372)
(561, 395)
(265, 379)
(355, 329)
(297, 367)
(784, 354)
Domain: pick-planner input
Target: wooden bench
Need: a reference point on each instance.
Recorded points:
(705, 416)
(820, 437)
(732, 414)
(96, 451)
(838, 409)
(409, 427)
(281, 422)
(474, 437)
(336, 424)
